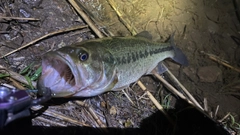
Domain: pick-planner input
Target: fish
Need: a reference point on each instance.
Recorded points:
(96, 66)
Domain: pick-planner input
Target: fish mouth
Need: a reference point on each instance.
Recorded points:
(58, 76)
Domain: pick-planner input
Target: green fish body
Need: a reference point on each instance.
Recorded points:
(93, 67)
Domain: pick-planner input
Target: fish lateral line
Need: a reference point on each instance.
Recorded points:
(135, 56)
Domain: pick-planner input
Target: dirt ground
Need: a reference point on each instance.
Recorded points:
(209, 26)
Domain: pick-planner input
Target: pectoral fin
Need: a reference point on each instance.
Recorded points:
(112, 84)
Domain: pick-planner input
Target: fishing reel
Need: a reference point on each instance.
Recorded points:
(15, 104)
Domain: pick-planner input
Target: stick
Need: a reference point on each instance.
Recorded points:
(125, 21)
(205, 104)
(16, 84)
(86, 18)
(45, 36)
(60, 116)
(151, 97)
(220, 61)
(155, 102)
(171, 88)
(15, 75)
(19, 18)
(93, 114)
(177, 83)
(128, 97)
(50, 121)
(221, 120)
(216, 111)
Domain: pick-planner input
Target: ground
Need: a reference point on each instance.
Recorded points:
(200, 26)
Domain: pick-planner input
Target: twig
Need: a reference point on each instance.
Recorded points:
(142, 96)
(8, 85)
(216, 111)
(16, 84)
(211, 114)
(49, 121)
(45, 36)
(177, 83)
(19, 18)
(125, 21)
(151, 96)
(220, 61)
(221, 120)
(205, 104)
(93, 114)
(86, 18)
(171, 88)
(15, 75)
(155, 102)
(127, 97)
(60, 116)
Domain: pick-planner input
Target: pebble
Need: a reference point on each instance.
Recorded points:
(209, 74)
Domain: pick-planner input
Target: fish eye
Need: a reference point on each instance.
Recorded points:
(83, 56)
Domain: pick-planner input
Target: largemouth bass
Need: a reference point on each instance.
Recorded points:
(96, 66)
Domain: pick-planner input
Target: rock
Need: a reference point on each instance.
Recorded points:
(209, 74)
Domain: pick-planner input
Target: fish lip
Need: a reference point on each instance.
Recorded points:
(59, 58)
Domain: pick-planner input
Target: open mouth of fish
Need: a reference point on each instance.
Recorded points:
(58, 76)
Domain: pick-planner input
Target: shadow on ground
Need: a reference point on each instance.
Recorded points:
(188, 121)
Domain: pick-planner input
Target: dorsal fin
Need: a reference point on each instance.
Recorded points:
(144, 34)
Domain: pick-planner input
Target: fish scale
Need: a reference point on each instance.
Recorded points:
(102, 65)
(138, 58)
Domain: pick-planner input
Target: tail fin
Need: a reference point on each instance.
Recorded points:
(179, 57)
